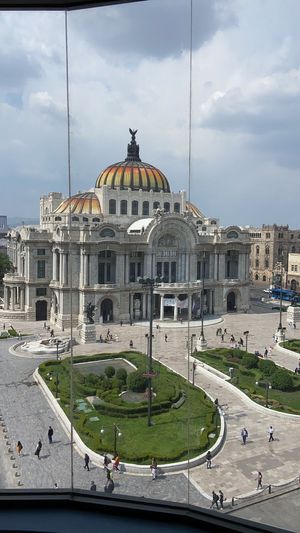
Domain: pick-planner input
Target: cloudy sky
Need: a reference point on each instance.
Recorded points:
(129, 67)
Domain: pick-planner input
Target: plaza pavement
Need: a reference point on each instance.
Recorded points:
(234, 469)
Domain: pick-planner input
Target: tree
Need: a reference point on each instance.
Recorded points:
(5, 265)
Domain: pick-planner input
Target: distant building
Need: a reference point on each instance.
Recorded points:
(271, 244)
(293, 273)
(100, 242)
(3, 232)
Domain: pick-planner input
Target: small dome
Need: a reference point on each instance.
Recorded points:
(133, 173)
(85, 203)
(193, 210)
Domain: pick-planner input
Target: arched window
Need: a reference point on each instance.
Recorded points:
(75, 219)
(107, 232)
(85, 219)
(257, 250)
(167, 207)
(57, 219)
(135, 207)
(256, 277)
(267, 263)
(156, 205)
(112, 207)
(264, 278)
(257, 263)
(280, 251)
(267, 250)
(123, 207)
(96, 219)
(145, 208)
(293, 249)
(177, 207)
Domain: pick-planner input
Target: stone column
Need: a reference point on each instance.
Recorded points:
(22, 299)
(241, 267)
(86, 269)
(216, 275)
(6, 296)
(81, 267)
(126, 270)
(54, 262)
(13, 298)
(162, 309)
(187, 266)
(64, 279)
(175, 310)
(222, 266)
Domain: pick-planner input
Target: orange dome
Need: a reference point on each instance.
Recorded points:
(86, 203)
(133, 173)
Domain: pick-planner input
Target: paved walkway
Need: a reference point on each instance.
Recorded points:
(234, 469)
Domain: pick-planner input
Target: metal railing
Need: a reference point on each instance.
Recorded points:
(268, 489)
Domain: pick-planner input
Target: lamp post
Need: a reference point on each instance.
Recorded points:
(279, 334)
(194, 370)
(57, 343)
(117, 433)
(267, 386)
(150, 283)
(192, 342)
(246, 333)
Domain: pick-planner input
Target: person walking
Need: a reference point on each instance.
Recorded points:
(109, 485)
(50, 434)
(221, 499)
(153, 468)
(244, 434)
(259, 481)
(106, 462)
(271, 433)
(19, 447)
(116, 463)
(93, 486)
(131, 344)
(38, 449)
(166, 338)
(208, 459)
(266, 352)
(86, 462)
(215, 500)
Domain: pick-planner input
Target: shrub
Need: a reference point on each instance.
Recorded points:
(267, 367)
(137, 382)
(282, 380)
(249, 361)
(121, 375)
(109, 371)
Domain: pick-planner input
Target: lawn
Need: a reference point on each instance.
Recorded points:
(249, 369)
(293, 345)
(185, 421)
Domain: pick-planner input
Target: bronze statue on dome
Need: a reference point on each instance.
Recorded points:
(133, 149)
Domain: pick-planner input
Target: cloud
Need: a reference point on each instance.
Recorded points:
(45, 104)
(156, 28)
(266, 111)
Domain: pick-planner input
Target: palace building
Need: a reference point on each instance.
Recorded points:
(94, 247)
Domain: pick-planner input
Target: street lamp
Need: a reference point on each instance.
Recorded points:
(194, 370)
(267, 386)
(246, 333)
(279, 335)
(202, 341)
(57, 343)
(150, 283)
(192, 342)
(117, 433)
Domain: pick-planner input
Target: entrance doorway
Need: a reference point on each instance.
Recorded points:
(106, 310)
(41, 310)
(231, 305)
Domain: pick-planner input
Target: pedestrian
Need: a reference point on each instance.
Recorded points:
(45, 325)
(55, 486)
(215, 500)
(52, 333)
(153, 468)
(259, 481)
(116, 462)
(244, 434)
(266, 352)
(241, 342)
(86, 462)
(109, 485)
(294, 325)
(50, 434)
(222, 337)
(38, 449)
(93, 486)
(106, 462)
(166, 338)
(225, 331)
(208, 459)
(19, 447)
(221, 499)
(131, 322)
(121, 323)
(131, 344)
(271, 433)
(4, 325)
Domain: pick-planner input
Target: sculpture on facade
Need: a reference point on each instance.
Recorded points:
(90, 312)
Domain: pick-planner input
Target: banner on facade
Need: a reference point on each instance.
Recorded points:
(182, 304)
(169, 302)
